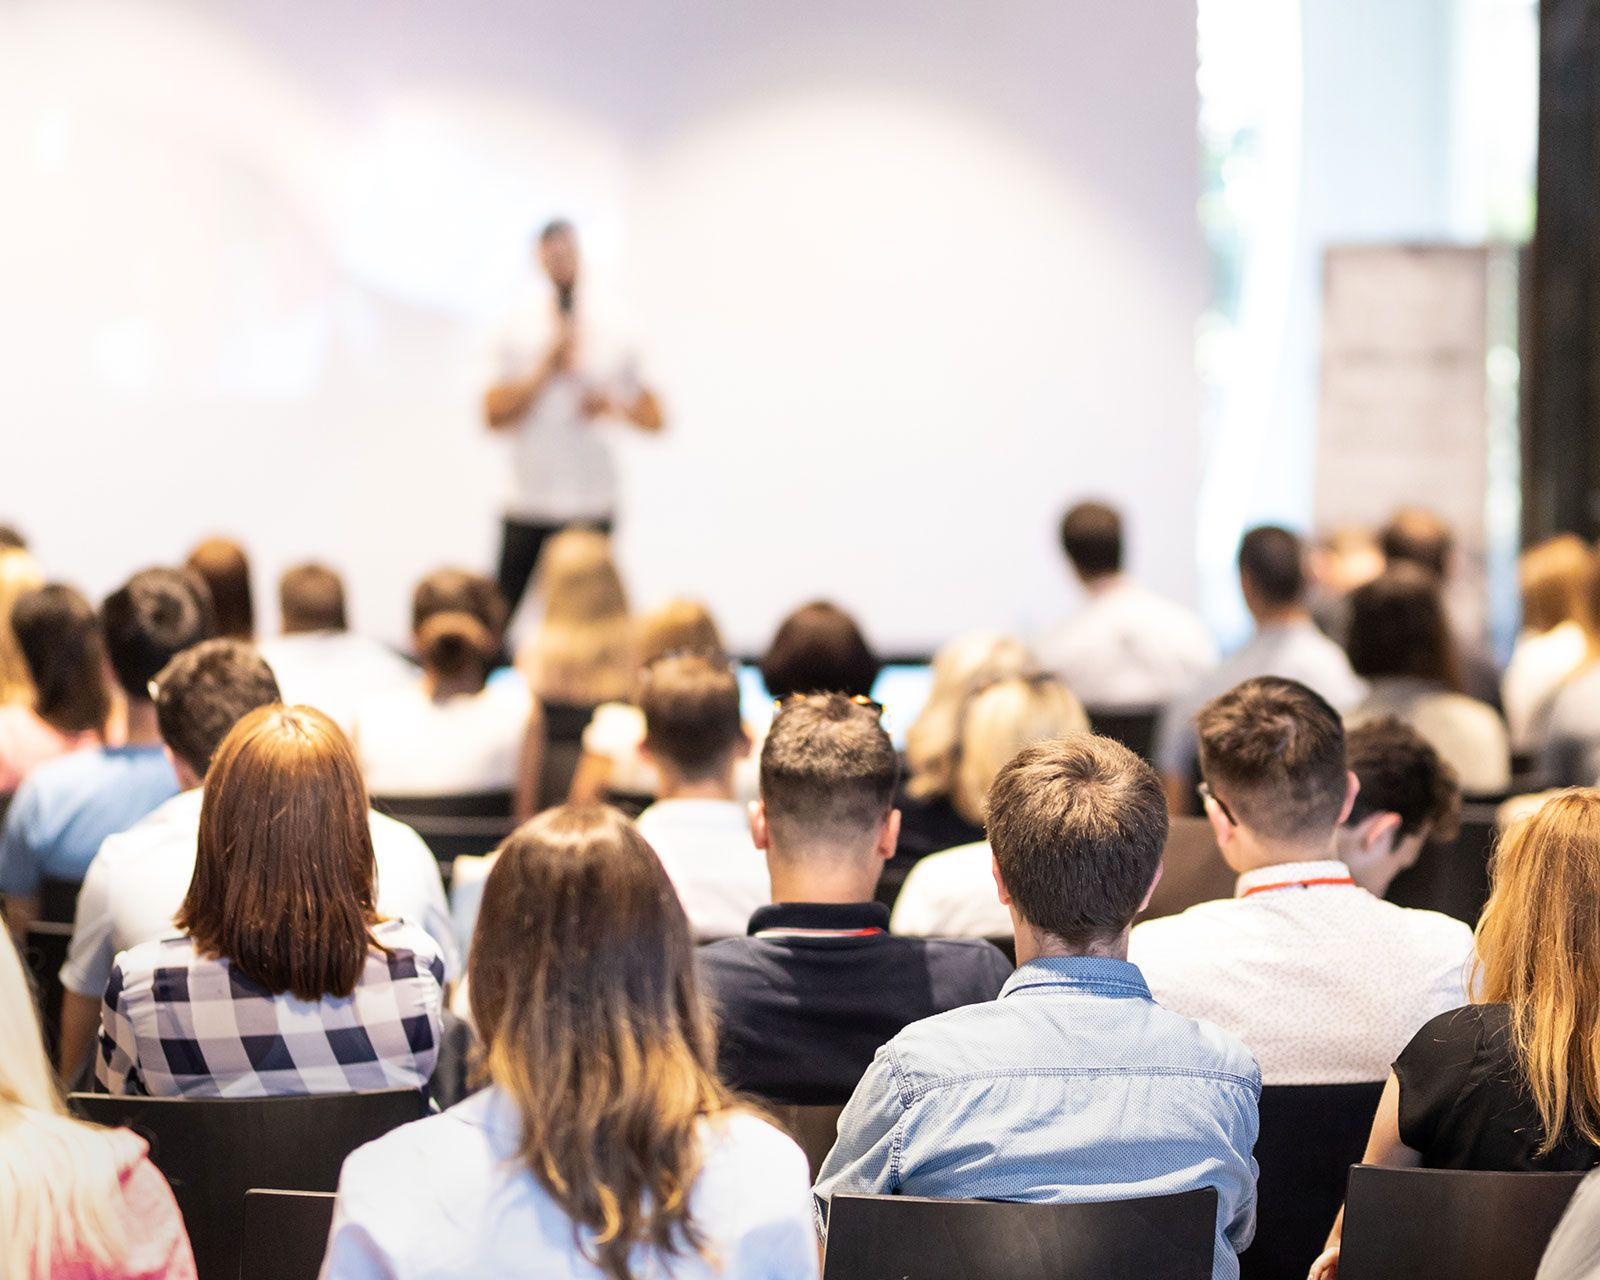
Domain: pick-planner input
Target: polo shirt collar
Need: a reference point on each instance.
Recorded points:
(1100, 974)
(1292, 875)
(820, 919)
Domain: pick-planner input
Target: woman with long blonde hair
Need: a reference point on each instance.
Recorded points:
(76, 1202)
(1512, 1081)
(605, 1145)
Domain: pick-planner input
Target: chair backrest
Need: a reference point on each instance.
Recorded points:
(909, 1238)
(1192, 870)
(1310, 1136)
(814, 1128)
(285, 1234)
(1452, 877)
(58, 900)
(44, 950)
(1456, 1223)
(1133, 727)
(454, 826)
(213, 1150)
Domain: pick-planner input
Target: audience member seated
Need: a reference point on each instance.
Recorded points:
(1408, 798)
(605, 1144)
(952, 894)
(1400, 644)
(1569, 741)
(452, 731)
(1347, 558)
(60, 641)
(1555, 577)
(1127, 647)
(1323, 981)
(818, 983)
(819, 648)
(19, 573)
(1511, 1082)
(1286, 643)
(136, 884)
(699, 831)
(283, 978)
(222, 565)
(78, 1202)
(1075, 1085)
(68, 806)
(582, 655)
(318, 660)
(930, 819)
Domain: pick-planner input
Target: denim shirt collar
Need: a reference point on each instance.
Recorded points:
(1099, 975)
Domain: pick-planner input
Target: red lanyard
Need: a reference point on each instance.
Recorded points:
(1295, 884)
(819, 933)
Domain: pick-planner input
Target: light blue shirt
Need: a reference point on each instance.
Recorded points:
(65, 808)
(1073, 1086)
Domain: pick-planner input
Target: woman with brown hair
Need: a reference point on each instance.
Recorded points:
(60, 640)
(1557, 625)
(225, 569)
(285, 980)
(1512, 1082)
(605, 1145)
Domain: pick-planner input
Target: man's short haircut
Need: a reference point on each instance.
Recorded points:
(311, 598)
(819, 649)
(1091, 536)
(1415, 535)
(149, 620)
(691, 713)
(1077, 826)
(1401, 773)
(1273, 751)
(555, 227)
(1274, 561)
(206, 690)
(828, 771)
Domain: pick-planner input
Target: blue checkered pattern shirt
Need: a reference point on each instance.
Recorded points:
(178, 1023)
(1074, 1085)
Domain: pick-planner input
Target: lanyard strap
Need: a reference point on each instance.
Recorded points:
(820, 933)
(1295, 884)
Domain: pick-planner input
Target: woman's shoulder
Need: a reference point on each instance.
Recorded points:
(741, 1136)
(404, 938)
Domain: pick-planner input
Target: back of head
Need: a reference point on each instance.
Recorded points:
(457, 647)
(1091, 537)
(284, 876)
(19, 572)
(1273, 751)
(311, 598)
(1003, 719)
(819, 649)
(828, 774)
(1401, 773)
(225, 569)
(149, 620)
(1272, 567)
(583, 989)
(11, 539)
(1416, 536)
(458, 591)
(1077, 826)
(59, 637)
(206, 690)
(1398, 628)
(583, 652)
(1536, 946)
(1557, 577)
(962, 669)
(691, 714)
(677, 626)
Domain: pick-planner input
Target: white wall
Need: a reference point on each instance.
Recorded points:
(909, 277)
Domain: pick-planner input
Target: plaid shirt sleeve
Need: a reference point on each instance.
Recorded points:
(116, 1069)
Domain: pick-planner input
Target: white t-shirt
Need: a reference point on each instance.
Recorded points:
(952, 895)
(334, 671)
(1324, 982)
(139, 879)
(445, 1197)
(1540, 664)
(1469, 735)
(562, 468)
(1128, 647)
(720, 876)
(413, 745)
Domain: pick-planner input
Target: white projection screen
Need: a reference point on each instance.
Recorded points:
(908, 276)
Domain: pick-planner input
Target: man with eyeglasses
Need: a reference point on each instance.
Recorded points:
(1325, 982)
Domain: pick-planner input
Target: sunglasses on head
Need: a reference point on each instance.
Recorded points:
(860, 700)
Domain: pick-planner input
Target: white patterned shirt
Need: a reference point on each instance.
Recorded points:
(1324, 982)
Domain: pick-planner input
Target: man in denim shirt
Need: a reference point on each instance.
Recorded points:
(1074, 1085)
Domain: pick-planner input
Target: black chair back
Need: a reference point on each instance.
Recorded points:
(564, 724)
(1192, 870)
(1310, 1136)
(1133, 727)
(909, 1238)
(1434, 1224)
(285, 1234)
(456, 826)
(58, 900)
(1452, 877)
(44, 951)
(213, 1150)
(814, 1128)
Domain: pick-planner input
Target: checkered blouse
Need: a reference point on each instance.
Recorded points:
(176, 1023)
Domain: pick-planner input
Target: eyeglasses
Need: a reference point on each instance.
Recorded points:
(859, 700)
(1206, 794)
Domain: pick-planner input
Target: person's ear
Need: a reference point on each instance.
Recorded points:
(888, 835)
(1149, 893)
(1223, 830)
(760, 834)
(741, 750)
(1352, 788)
(999, 881)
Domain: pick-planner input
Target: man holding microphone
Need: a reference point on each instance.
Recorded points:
(557, 378)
